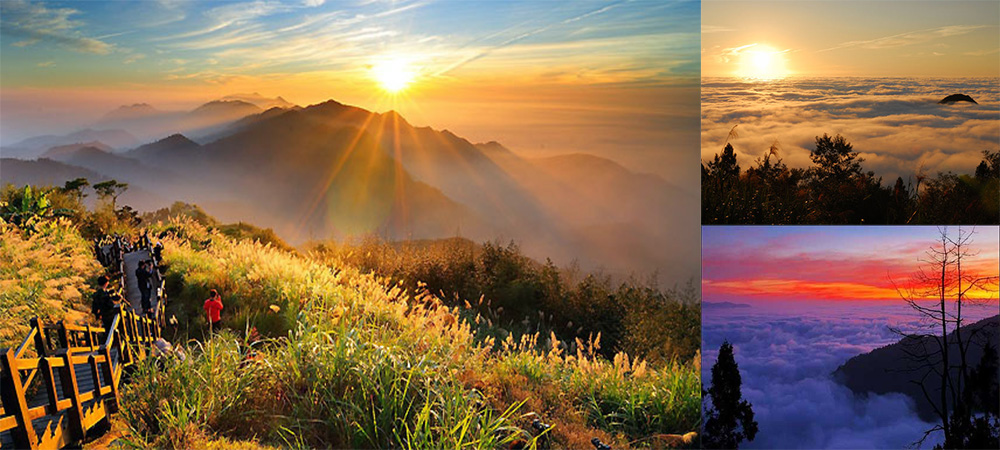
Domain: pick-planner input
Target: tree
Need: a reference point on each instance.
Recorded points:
(729, 418)
(938, 357)
(835, 159)
(111, 188)
(76, 187)
(725, 166)
(990, 166)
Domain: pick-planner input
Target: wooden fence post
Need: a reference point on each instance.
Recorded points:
(15, 403)
(109, 373)
(72, 390)
(63, 335)
(41, 339)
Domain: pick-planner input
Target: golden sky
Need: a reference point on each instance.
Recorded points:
(759, 39)
(618, 79)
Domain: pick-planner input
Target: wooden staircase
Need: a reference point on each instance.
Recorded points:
(71, 382)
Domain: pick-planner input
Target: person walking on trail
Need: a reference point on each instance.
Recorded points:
(213, 308)
(105, 303)
(144, 276)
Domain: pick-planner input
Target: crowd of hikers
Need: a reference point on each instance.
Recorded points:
(110, 252)
(106, 300)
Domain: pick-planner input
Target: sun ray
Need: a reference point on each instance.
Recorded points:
(323, 187)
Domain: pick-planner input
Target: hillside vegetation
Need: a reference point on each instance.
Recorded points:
(328, 349)
(520, 295)
(321, 356)
(837, 190)
(43, 274)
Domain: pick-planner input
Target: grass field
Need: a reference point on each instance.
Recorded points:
(320, 356)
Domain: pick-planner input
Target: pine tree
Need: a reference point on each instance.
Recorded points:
(729, 417)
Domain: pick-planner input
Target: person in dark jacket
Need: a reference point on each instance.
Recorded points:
(105, 303)
(144, 275)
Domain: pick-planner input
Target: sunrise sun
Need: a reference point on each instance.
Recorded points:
(393, 74)
(762, 62)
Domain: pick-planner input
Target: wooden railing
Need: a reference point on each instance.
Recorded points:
(79, 369)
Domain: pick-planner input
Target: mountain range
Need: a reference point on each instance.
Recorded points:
(332, 171)
(896, 367)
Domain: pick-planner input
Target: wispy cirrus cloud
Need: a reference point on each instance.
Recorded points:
(706, 29)
(485, 51)
(727, 54)
(909, 38)
(36, 23)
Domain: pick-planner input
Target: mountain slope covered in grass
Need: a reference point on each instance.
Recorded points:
(44, 275)
(321, 356)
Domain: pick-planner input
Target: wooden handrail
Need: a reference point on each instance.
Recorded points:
(24, 343)
(82, 355)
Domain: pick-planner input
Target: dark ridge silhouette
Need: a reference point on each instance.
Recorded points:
(173, 148)
(956, 98)
(885, 370)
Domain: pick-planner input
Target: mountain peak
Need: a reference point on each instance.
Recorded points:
(225, 103)
(260, 101)
(953, 98)
(129, 112)
(395, 117)
(175, 139)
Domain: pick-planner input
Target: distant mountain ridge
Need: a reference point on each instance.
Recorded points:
(204, 121)
(888, 369)
(35, 147)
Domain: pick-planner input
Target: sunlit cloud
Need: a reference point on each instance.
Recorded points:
(483, 52)
(910, 38)
(829, 263)
(897, 125)
(706, 29)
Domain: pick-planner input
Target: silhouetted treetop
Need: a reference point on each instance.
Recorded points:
(835, 158)
(729, 418)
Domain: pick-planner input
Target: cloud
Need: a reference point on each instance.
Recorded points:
(35, 23)
(485, 51)
(706, 29)
(786, 354)
(896, 124)
(827, 263)
(46, 64)
(727, 54)
(133, 58)
(982, 52)
(313, 3)
(909, 38)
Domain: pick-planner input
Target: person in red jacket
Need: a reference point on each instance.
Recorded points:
(213, 308)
